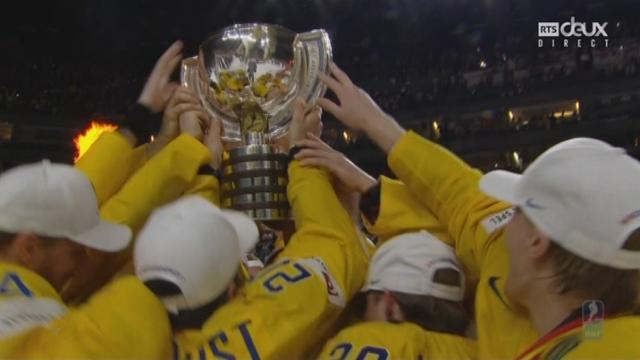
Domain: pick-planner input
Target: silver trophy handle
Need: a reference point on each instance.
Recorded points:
(312, 55)
(189, 73)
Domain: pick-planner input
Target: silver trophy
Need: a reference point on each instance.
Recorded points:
(248, 76)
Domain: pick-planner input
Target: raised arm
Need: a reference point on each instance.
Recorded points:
(112, 159)
(173, 172)
(400, 212)
(449, 187)
(109, 162)
(324, 228)
(438, 179)
(388, 206)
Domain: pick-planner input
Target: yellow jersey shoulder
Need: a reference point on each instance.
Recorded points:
(383, 340)
(284, 313)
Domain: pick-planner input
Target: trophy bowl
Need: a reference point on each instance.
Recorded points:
(248, 75)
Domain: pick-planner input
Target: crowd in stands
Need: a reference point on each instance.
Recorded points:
(397, 81)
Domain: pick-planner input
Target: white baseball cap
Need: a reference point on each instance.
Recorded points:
(583, 193)
(56, 200)
(407, 263)
(195, 246)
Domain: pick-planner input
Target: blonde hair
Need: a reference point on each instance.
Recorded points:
(618, 289)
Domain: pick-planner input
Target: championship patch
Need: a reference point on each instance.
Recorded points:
(334, 292)
(496, 221)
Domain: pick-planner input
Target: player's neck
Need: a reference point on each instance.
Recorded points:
(547, 309)
(8, 255)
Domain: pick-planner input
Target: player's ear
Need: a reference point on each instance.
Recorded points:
(389, 305)
(538, 245)
(393, 312)
(28, 249)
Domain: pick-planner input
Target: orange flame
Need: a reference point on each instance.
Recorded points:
(84, 140)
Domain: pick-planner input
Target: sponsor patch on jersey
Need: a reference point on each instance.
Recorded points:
(496, 221)
(334, 292)
(21, 313)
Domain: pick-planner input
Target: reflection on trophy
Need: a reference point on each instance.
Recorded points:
(248, 76)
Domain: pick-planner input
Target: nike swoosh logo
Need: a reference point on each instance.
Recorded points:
(529, 203)
(494, 287)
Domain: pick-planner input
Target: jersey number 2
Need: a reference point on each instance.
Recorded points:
(299, 273)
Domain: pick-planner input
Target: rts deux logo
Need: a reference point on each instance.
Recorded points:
(572, 32)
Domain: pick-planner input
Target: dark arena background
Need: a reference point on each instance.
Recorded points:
(473, 75)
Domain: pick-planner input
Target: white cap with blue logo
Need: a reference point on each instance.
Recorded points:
(583, 193)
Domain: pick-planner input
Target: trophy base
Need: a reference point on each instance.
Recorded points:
(254, 181)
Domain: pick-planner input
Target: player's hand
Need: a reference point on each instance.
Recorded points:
(304, 121)
(319, 154)
(158, 89)
(213, 141)
(183, 100)
(194, 123)
(357, 110)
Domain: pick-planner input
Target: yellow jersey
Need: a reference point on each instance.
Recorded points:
(288, 311)
(401, 212)
(383, 340)
(169, 174)
(109, 163)
(129, 187)
(122, 321)
(449, 187)
(162, 179)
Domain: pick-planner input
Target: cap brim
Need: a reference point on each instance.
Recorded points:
(501, 185)
(245, 227)
(106, 236)
(368, 287)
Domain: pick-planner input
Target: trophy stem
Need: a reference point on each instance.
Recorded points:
(254, 180)
(255, 138)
